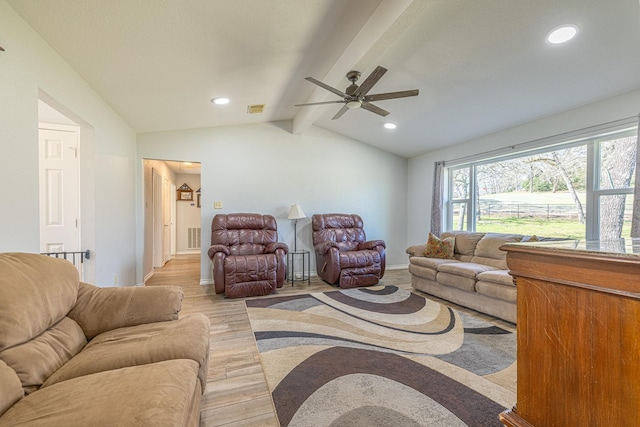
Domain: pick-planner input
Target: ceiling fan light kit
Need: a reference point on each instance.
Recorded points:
(356, 96)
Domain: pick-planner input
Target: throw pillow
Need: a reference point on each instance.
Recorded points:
(440, 248)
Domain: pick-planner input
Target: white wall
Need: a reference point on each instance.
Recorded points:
(30, 65)
(264, 169)
(420, 186)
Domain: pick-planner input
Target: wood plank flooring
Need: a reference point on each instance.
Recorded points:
(236, 393)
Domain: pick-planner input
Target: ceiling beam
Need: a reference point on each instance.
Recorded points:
(384, 26)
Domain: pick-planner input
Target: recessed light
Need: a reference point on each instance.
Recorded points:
(220, 101)
(390, 125)
(562, 34)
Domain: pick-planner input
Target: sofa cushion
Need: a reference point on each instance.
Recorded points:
(430, 262)
(456, 281)
(47, 286)
(488, 249)
(10, 387)
(497, 276)
(465, 269)
(422, 272)
(440, 248)
(159, 394)
(497, 291)
(35, 360)
(99, 310)
(186, 338)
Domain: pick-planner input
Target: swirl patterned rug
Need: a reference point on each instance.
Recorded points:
(381, 356)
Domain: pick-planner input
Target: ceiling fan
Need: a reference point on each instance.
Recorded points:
(356, 96)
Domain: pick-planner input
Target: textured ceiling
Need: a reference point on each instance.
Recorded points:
(481, 66)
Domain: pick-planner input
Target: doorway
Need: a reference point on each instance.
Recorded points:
(171, 223)
(66, 197)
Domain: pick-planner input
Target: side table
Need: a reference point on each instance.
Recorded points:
(306, 268)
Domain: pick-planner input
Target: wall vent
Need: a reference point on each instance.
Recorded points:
(193, 238)
(255, 109)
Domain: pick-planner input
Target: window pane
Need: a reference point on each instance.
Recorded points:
(542, 194)
(615, 216)
(617, 163)
(460, 183)
(459, 216)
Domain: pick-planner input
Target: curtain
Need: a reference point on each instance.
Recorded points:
(437, 199)
(635, 219)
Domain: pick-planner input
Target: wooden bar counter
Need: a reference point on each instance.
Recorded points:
(578, 333)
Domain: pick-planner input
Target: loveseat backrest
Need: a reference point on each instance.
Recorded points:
(36, 292)
(244, 233)
(344, 229)
(36, 336)
(482, 248)
(465, 243)
(488, 250)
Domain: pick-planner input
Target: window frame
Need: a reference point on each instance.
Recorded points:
(591, 138)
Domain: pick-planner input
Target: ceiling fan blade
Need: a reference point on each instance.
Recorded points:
(319, 103)
(370, 81)
(327, 87)
(391, 95)
(374, 109)
(341, 112)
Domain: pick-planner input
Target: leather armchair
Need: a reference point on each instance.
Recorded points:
(246, 256)
(343, 254)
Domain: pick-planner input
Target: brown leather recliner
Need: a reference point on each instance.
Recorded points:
(247, 258)
(343, 254)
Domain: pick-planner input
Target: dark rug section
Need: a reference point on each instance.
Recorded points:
(381, 356)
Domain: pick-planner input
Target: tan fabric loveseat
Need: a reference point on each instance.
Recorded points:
(73, 354)
(476, 278)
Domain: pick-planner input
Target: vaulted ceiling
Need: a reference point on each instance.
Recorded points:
(480, 65)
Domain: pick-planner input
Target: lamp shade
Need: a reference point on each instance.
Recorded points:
(295, 212)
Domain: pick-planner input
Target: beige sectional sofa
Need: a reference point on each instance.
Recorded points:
(73, 354)
(476, 278)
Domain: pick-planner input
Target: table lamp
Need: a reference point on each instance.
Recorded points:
(295, 213)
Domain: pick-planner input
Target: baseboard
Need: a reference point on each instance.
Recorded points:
(193, 252)
(397, 267)
(147, 277)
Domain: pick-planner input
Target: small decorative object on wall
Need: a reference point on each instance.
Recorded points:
(185, 192)
(198, 198)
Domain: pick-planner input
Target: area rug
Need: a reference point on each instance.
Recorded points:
(381, 356)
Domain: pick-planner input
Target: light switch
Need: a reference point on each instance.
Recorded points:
(217, 205)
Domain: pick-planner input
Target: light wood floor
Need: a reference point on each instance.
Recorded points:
(236, 393)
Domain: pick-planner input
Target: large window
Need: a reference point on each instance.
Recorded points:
(579, 189)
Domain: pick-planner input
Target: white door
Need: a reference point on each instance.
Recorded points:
(167, 220)
(158, 223)
(59, 189)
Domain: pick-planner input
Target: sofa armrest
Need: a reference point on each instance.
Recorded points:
(371, 244)
(273, 247)
(416, 250)
(217, 248)
(324, 247)
(99, 310)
